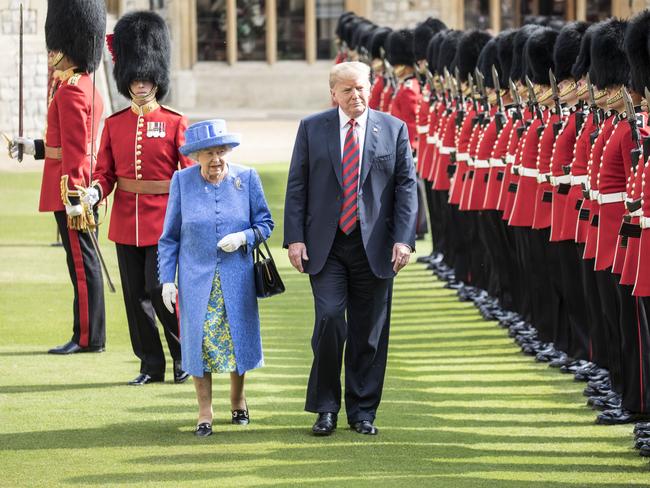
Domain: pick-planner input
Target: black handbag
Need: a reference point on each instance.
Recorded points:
(267, 278)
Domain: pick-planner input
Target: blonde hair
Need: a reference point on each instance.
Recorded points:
(349, 71)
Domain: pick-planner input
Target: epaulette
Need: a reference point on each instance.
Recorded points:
(74, 79)
(172, 110)
(118, 112)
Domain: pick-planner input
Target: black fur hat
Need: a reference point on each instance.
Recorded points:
(423, 34)
(636, 47)
(348, 28)
(505, 43)
(567, 47)
(518, 68)
(400, 47)
(487, 59)
(141, 49)
(362, 30)
(469, 48)
(447, 52)
(345, 17)
(71, 26)
(581, 67)
(377, 40)
(433, 51)
(539, 55)
(609, 65)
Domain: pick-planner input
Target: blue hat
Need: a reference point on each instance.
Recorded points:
(206, 134)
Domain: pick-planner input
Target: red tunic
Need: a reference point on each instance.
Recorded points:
(542, 215)
(497, 164)
(482, 155)
(441, 180)
(560, 179)
(422, 128)
(375, 92)
(386, 98)
(129, 150)
(436, 129)
(511, 183)
(626, 259)
(474, 140)
(406, 104)
(69, 129)
(642, 282)
(462, 156)
(425, 160)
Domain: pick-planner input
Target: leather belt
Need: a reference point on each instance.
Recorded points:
(497, 162)
(57, 153)
(481, 163)
(423, 129)
(557, 180)
(604, 198)
(447, 149)
(579, 180)
(143, 187)
(644, 222)
(530, 172)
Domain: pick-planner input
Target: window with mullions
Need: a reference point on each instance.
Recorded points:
(291, 29)
(251, 30)
(327, 14)
(477, 14)
(211, 30)
(598, 10)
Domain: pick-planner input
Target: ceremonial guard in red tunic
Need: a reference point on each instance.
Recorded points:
(72, 29)
(137, 158)
(375, 48)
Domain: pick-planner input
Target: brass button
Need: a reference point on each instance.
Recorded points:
(138, 153)
(139, 146)
(138, 167)
(139, 177)
(139, 137)
(138, 161)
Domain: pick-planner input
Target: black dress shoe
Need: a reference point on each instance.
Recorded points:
(364, 427)
(620, 416)
(325, 424)
(240, 417)
(204, 429)
(73, 348)
(180, 376)
(145, 379)
(641, 426)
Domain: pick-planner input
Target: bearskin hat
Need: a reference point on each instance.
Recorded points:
(376, 41)
(505, 42)
(518, 68)
(345, 17)
(423, 34)
(400, 47)
(469, 48)
(567, 47)
(71, 26)
(487, 59)
(433, 51)
(447, 52)
(363, 29)
(348, 28)
(142, 51)
(636, 47)
(539, 55)
(609, 64)
(581, 67)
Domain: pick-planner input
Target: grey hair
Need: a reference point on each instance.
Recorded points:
(350, 70)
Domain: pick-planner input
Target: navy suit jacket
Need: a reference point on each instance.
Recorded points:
(387, 206)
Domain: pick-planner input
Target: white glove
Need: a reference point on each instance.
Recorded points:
(73, 210)
(28, 147)
(90, 196)
(232, 242)
(169, 296)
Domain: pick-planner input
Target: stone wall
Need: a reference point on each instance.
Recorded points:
(407, 13)
(34, 67)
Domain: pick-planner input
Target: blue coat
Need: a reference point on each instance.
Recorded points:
(198, 215)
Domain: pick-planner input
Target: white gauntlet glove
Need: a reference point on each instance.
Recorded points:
(232, 242)
(73, 210)
(169, 296)
(90, 196)
(28, 147)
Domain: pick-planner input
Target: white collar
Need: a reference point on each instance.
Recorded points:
(361, 120)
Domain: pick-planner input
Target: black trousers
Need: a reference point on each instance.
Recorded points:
(595, 323)
(89, 317)
(353, 312)
(607, 286)
(421, 226)
(143, 301)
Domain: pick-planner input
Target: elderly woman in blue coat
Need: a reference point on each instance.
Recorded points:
(208, 235)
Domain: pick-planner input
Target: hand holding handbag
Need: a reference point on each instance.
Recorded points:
(267, 278)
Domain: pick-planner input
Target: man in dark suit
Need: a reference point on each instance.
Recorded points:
(350, 214)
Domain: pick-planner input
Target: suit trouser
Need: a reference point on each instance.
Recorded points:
(143, 301)
(352, 310)
(436, 218)
(595, 322)
(421, 226)
(89, 317)
(610, 310)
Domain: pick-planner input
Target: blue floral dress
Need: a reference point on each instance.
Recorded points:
(218, 349)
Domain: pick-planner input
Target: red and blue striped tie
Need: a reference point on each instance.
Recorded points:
(351, 155)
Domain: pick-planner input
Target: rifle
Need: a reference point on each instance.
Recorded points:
(595, 111)
(500, 115)
(557, 126)
(388, 70)
(518, 115)
(20, 85)
(630, 115)
(480, 84)
(532, 100)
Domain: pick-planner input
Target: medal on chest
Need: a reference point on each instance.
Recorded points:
(155, 129)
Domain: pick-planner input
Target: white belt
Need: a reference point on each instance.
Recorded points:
(462, 156)
(481, 163)
(593, 194)
(560, 180)
(497, 163)
(604, 198)
(510, 158)
(470, 162)
(435, 138)
(543, 177)
(423, 129)
(637, 213)
(514, 169)
(447, 149)
(530, 172)
(644, 222)
(438, 143)
(431, 139)
(579, 180)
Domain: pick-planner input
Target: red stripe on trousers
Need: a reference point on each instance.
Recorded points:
(82, 287)
(638, 328)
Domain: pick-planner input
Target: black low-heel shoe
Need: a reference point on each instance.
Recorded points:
(240, 417)
(204, 429)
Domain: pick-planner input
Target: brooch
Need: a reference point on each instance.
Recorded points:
(238, 183)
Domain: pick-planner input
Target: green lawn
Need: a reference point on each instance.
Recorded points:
(462, 407)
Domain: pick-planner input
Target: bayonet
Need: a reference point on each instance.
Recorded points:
(480, 83)
(595, 111)
(500, 115)
(514, 93)
(630, 115)
(532, 100)
(557, 126)
(470, 83)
